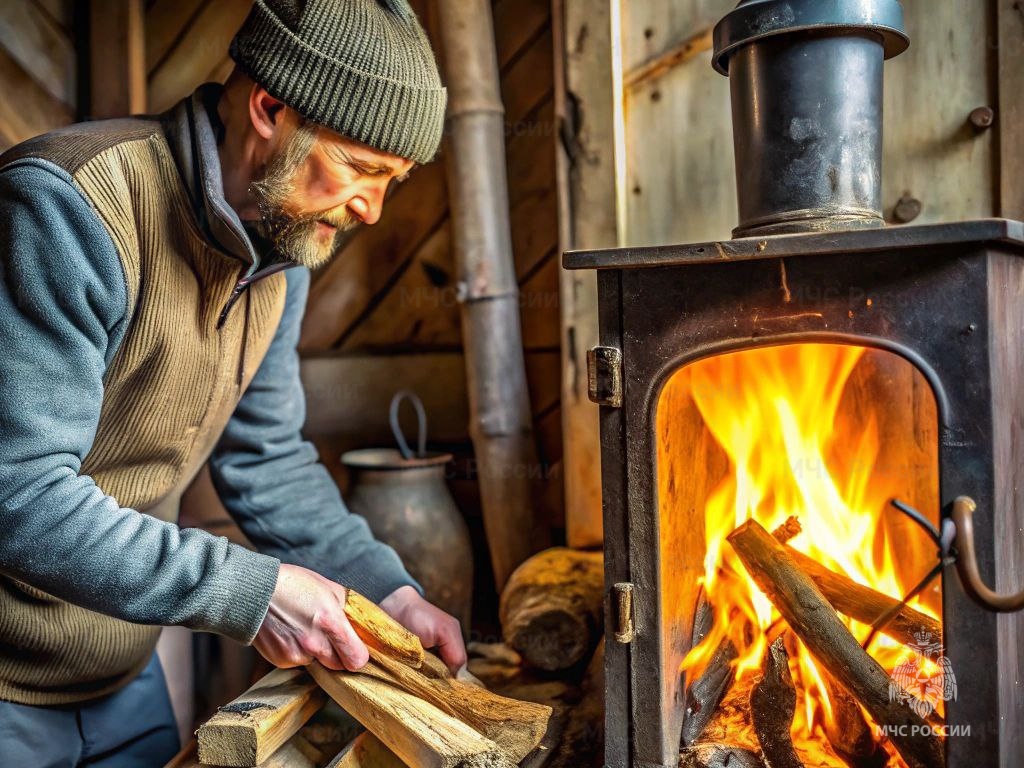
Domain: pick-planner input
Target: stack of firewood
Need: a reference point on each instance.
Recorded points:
(417, 713)
(748, 725)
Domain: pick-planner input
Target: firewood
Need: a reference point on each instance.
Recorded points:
(415, 730)
(705, 693)
(816, 623)
(717, 755)
(551, 608)
(865, 604)
(294, 753)
(252, 727)
(849, 732)
(378, 630)
(772, 706)
(515, 726)
(366, 751)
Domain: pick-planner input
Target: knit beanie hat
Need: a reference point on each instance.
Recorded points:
(363, 68)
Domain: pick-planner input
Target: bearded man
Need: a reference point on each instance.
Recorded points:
(155, 272)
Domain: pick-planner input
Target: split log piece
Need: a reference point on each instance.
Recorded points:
(816, 623)
(706, 692)
(716, 755)
(378, 630)
(515, 726)
(415, 730)
(294, 753)
(772, 706)
(848, 730)
(552, 606)
(865, 604)
(250, 729)
(366, 751)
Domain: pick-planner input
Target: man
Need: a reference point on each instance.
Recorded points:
(149, 315)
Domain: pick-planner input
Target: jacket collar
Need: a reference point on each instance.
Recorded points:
(193, 130)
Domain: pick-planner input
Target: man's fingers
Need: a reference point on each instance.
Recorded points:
(351, 650)
(450, 644)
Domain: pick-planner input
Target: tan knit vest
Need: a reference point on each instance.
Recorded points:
(168, 392)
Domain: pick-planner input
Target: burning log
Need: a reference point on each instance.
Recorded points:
(714, 755)
(865, 604)
(708, 690)
(551, 608)
(815, 622)
(772, 706)
(848, 731)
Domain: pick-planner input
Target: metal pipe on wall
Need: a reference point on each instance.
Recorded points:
(500, 420)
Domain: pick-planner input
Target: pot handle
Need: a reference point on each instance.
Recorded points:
(421, 419)
(967, 563)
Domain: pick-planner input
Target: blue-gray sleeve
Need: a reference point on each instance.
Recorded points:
(63, 304)
(273, 484)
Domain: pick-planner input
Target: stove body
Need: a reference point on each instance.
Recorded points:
(947, 298)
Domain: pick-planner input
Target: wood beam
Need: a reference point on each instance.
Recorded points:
(117, 58)
(1010, 119)
(251, 728)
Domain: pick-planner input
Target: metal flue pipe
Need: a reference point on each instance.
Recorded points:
(500, 419)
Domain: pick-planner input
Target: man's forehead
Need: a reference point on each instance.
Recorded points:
(364, 154)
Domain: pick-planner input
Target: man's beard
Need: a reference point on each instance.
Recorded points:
(296, 236)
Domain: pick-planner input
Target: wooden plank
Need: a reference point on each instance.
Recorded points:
(930, 151)
(516, 24)
(587, 192)
(197, 53)
(41, 47)
(366, 751)
(294, 753)
(1010, 118)
(348, 396)
(117, 58)
(167, 21)
(61, 12)
(251, 728)
(538, 306)
(417, 732)
(35, 111)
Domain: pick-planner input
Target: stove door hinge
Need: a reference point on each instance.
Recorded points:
(622, 612)
(604, 376)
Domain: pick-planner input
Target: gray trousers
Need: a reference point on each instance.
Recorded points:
(131, 728)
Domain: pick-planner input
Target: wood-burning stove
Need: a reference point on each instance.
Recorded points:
(814, 265)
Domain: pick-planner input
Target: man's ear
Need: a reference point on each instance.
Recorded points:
(265, 111)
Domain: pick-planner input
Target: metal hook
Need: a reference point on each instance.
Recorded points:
(396, 428)
(967, 562)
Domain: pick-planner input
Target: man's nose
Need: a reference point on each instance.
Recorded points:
(368, 204)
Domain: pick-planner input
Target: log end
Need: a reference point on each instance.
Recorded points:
(550, 639)
(232, 745)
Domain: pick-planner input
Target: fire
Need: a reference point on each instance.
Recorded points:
(776, 412)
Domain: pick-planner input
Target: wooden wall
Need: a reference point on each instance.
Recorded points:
(38, 68)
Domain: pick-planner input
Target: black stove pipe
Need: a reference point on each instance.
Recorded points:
(806, 84)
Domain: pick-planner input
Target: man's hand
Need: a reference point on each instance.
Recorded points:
(435, 628)
(306, 622)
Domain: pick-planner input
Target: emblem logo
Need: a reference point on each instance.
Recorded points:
(922, 685)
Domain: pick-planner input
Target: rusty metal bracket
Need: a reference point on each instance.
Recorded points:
(967, 563)
(622, 612)
(604, 376)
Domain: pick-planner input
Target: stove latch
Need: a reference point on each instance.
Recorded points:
(604, 376)
(622, 612)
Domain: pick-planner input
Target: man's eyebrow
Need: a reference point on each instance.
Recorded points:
(363, 166)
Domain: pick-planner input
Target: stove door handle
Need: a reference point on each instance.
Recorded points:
(967, 562)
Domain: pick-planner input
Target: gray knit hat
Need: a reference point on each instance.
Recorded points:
(363, 68)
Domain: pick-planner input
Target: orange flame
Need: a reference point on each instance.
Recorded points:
(776, 412)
